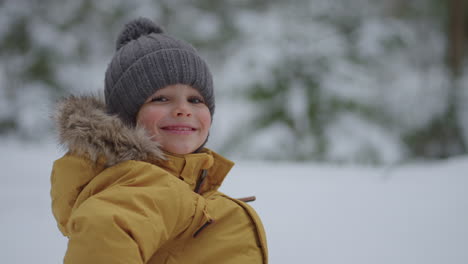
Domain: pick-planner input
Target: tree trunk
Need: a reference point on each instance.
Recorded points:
(456, 36)
(456, 45)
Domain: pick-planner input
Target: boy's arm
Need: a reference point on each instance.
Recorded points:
(129, 219)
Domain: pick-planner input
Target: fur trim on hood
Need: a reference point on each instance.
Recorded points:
(85, 128)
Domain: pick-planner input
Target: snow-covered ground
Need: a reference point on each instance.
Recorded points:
(313, 213)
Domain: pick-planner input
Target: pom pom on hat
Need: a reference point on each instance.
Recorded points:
(135, 29)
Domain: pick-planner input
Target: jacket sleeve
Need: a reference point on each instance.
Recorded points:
(131, 209)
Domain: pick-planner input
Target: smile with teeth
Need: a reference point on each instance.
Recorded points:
(184, 130)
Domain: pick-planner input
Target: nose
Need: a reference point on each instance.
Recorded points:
(182, 109)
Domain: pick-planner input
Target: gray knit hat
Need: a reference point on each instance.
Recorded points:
(147, 60)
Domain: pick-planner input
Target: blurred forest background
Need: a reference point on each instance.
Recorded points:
(365, 81)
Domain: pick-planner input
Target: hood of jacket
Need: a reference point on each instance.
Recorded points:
(85, 128)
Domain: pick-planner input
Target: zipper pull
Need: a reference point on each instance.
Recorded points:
(200, 181)
(247, 199)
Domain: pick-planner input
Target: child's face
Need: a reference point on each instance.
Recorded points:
(176, 117)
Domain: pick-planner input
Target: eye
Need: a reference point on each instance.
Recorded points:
(196, 100)
(159, 99)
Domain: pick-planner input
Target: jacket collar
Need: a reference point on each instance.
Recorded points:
(190, 167)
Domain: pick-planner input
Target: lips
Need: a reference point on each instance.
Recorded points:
(182, 130)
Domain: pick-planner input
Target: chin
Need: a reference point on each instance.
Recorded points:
(180, 150)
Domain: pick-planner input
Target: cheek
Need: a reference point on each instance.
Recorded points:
(205, 119)
(148, 117)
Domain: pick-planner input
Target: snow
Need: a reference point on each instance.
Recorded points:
(313, 213)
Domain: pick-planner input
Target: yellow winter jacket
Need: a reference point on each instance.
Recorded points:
(119, 199)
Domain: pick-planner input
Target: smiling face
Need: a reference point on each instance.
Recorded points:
(176, 117)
